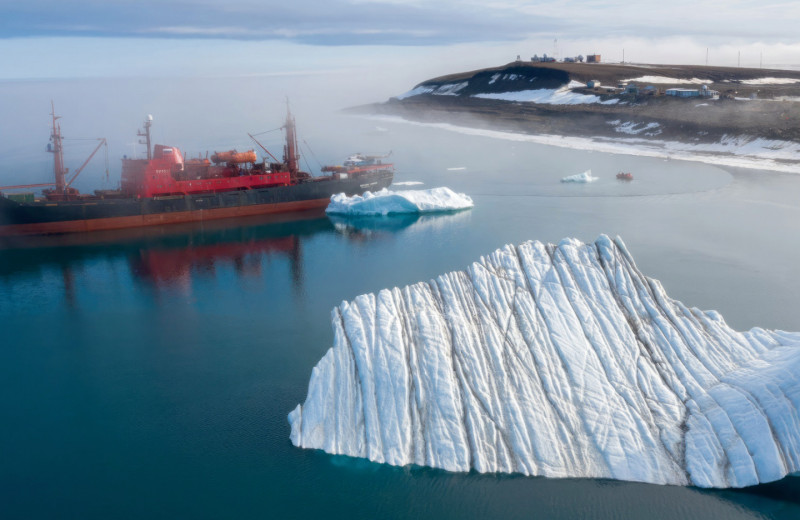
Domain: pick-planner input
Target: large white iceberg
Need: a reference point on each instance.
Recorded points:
(561, 361)
(386, 202)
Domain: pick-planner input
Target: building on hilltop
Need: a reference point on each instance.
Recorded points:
(683, 92)
(708, 93)
(543, 59)
(703, 92)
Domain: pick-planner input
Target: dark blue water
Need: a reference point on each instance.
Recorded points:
(148, 374)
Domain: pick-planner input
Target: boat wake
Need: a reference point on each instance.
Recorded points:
(555, 360)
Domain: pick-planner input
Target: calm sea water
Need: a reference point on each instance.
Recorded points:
(149, 374)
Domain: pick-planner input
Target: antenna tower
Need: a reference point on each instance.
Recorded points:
(146, 134)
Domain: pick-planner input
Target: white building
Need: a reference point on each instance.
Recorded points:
(704, 91)
(683, 92)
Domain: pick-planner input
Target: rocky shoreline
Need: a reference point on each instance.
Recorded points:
(648, 117)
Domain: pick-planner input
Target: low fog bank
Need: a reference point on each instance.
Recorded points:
(194, 114)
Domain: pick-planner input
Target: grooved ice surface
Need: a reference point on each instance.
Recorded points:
(561, 361)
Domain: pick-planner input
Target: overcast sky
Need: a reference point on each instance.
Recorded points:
(62, 38)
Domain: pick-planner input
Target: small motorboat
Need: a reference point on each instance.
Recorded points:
(624, 176)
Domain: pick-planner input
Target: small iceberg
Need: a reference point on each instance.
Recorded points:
(581, 178)
(386, 202)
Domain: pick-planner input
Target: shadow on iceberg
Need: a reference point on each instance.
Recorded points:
(560, 361)
(785, 490)
(387, 224)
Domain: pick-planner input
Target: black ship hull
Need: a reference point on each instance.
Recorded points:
(49, 217)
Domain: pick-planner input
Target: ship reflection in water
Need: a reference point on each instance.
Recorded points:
(168, 259)
(175, 267)
(174, 258)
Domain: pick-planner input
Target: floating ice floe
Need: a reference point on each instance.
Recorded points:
(581, 177)
(407, 183)
(555, 360)
(385, 202)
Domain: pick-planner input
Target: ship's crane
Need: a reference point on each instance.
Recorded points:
(79, 170)
(262, 147)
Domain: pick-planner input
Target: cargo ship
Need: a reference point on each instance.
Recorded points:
(167, 188)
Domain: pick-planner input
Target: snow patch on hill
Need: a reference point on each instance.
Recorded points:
(770, 81)
(631, 128)
(446, 89)
(546, 96)
(666, 81)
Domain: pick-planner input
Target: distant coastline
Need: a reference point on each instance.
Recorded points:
(752, 122)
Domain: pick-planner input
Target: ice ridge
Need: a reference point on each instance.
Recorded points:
(555, 360)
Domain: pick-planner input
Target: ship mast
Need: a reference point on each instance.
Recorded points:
(57, 149)
(146, 134)
(290, 156)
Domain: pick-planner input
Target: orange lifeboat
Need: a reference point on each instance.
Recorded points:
(197, 162)
(234, 157)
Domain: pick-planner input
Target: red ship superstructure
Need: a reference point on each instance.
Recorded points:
(166, 172)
